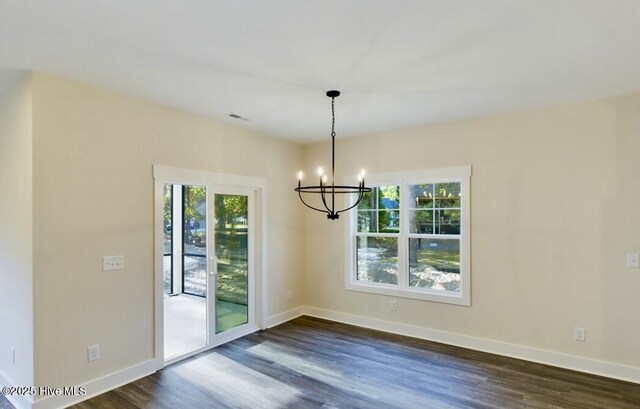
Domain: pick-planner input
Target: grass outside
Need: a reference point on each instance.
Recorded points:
(447, 261)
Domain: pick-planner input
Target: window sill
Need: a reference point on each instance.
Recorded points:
(425, 295)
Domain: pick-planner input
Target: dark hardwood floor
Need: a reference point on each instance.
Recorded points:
(312, 363)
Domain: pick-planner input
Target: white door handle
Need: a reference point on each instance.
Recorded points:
(213, 266)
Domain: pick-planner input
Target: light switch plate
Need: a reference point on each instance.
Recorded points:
(111, 263)
(633, 260)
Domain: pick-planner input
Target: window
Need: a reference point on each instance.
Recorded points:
(377, 238)
(409, 237)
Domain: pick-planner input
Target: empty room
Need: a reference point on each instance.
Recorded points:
(336, 204)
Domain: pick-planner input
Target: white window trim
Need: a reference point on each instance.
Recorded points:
(460, 174)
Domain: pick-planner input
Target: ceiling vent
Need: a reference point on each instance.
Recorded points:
(236, 116)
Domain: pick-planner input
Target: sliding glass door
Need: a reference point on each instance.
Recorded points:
(208, 265)
(232, 230)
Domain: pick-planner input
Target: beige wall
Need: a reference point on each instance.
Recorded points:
(554, 211)
(555, 198)
(16, 228)
(93, 196)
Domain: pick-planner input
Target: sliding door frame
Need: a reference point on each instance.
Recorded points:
(179, 176)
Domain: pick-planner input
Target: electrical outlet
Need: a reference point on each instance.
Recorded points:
(579, 334)
(93, 353)
(633, 260)
(112, 263)
(394, 305)
(289, 295)
(13, 356)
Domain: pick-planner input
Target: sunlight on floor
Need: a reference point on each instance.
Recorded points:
(237, 384)
(185, 322)
(300, 364)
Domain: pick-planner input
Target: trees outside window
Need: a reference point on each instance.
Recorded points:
(410, 237)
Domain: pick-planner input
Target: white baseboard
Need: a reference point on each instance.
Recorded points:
(19, 401)
(99, 386)
(284, 317)
(576, 363)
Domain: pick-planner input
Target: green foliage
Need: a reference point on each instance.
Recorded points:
(195, 198)
(381, 218)
(166, 204)
(368, 201)
(229, 207)
(390, 246)
(389, 192)
(422, 221)
(443, 189)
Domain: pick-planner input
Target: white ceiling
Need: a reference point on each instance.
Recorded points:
(398, 63)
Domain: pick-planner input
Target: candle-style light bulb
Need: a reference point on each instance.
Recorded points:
(361, 177)
(320, 171)
(300, 175)
(324, 178)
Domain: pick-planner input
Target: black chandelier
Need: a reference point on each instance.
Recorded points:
(332, 190)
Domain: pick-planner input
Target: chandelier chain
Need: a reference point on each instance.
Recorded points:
(333, 118)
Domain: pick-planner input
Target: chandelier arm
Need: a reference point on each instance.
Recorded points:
(323, 191)
(310, 207)
(333, 197)
(355, 204)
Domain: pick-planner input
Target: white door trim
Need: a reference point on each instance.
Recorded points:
(167, 174)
